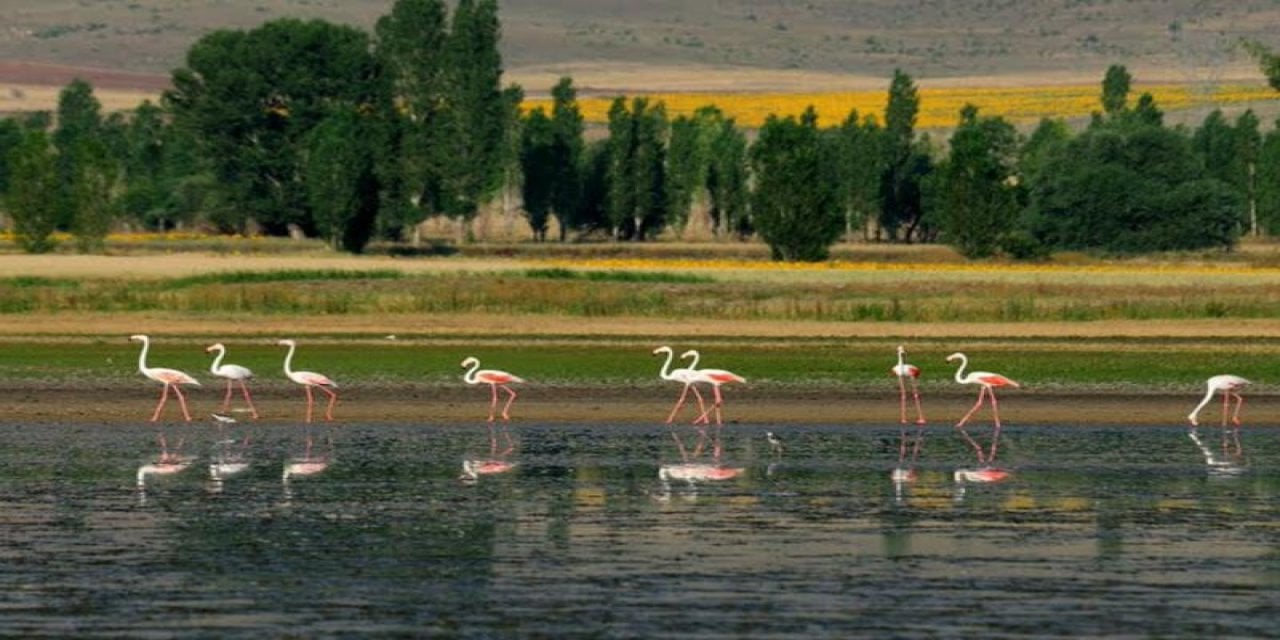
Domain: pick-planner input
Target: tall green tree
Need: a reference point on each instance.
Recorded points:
(636, 177)
(567, 156)
(1115, 89)
(33, 188)
(727, 181)
(862, 161)
(341, 179)
(978, 181)
(79, 123)
(901, 207)
(689, 161)
(1248, 150)
(537, 160)
(252, 98)
(470, 152)
(1268, 181)
(796, 204)
(10, 138)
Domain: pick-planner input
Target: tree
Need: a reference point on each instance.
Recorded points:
(1115, 89)
(10, 138)
(1268, 181)
(94, 184)
(411, 48)
(1248, 149)
(341, 179)
(470, 150)
(900, 202)
(979, 200)
(79, 122)
(727, 178)
(1132, 187)
(796, 201)
(635, 176)
(32, 189)
(862, 163)
(1268, 61)
(566, 156)
(251, 99)
(538, 166)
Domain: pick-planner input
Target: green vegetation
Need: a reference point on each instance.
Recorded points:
(617, 276)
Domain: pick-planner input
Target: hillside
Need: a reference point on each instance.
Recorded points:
(614, 46)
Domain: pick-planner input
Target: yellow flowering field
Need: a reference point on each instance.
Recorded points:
(939, 107)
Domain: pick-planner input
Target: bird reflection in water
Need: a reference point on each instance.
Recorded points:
(985, 475)
(166, 465)
(692, 472)
(1226, 466)
(229, 456)
(309, 464)
(498, 461)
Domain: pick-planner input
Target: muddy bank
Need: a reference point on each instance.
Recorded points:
(406, 404)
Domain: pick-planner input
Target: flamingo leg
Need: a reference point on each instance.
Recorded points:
(333, 400)
(902, 404)
(977, 405)
(1226, 406)
(1235, 417)
(493, 403)
(248, 400)
(679, 403)
(995, 436)
(164, 395)
(511, 445)
(311, 400)
(226, 400)
(182, 400)
(511, 397)
(915, 451)
(684, 455)
(915, 393)
(960, 425)
(493, 441)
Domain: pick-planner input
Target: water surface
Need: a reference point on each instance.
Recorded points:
(1096, 532)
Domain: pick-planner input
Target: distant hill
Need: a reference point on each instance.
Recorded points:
(629, 45)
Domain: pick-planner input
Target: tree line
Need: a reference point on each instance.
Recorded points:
(329, 131)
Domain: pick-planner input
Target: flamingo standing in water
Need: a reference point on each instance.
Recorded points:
(904, 371)
(713, 377)
(232, 373)
(495, 379)
(1230, 387)
(683, 375)
(308, 380)
(170, 378)
(989, 381)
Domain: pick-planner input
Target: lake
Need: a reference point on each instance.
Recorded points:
(606, 531)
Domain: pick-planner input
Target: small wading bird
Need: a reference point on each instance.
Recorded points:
(988, 381)
(170, 378)
(495, 379)
(1230, 387)
(308, 380)
(904, 372)
(683, 375)
(232, 373)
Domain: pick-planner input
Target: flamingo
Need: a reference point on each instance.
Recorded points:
(713, 377)
(683, 375)
(989, 382)
(170, 378)
(232, 373)
(495, 379)
(309, 379)
(904, 371)
(1230, 387)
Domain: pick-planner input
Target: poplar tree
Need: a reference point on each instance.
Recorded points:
(33, 184)
(978, 197)
(567, 156)
(727, 179)
(795, 204)
(636, 179)
(901, 208)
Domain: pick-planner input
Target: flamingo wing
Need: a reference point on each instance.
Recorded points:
(992, 379)
(234, 372)
(720, 376)
(171, 376)
(313, 378)
(904, 370)
(493, 376)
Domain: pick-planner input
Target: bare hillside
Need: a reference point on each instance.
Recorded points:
(674, 44)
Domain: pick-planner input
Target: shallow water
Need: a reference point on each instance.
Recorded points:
(1096, 532)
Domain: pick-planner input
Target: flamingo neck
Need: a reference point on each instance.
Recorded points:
(696, 357)
(1194, 412)
(288, 360)
(217, 361)
(901, 360)
(964, 362)
(665, 374)
(470, 376)
(142, 356)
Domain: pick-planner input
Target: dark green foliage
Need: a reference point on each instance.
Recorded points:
(862, 163)
(567, 149)
(796, 205)
(1268, 61)
(727, 178)
(282, 275)
(537, 161)
(1268, 181)
(10, 138)
(635, 175)
(341, 179)
(31, 200)
(978, 195)
(1115, 89)
(79, 123)
(617, 276)
(905, 164)
(1132, 187)
(251, 99)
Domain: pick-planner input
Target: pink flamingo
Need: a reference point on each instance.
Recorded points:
(309, 379)
(495, 379)
(1230, 387)
(683, 375)
(904, 371)
(170, 378)
(989, 382)
(713, 377)
(232, 373)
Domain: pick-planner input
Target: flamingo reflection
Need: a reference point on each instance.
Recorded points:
(985, 475)
(229, 455)
(1220, 466)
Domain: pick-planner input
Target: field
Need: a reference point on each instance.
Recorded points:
(1091, 340)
